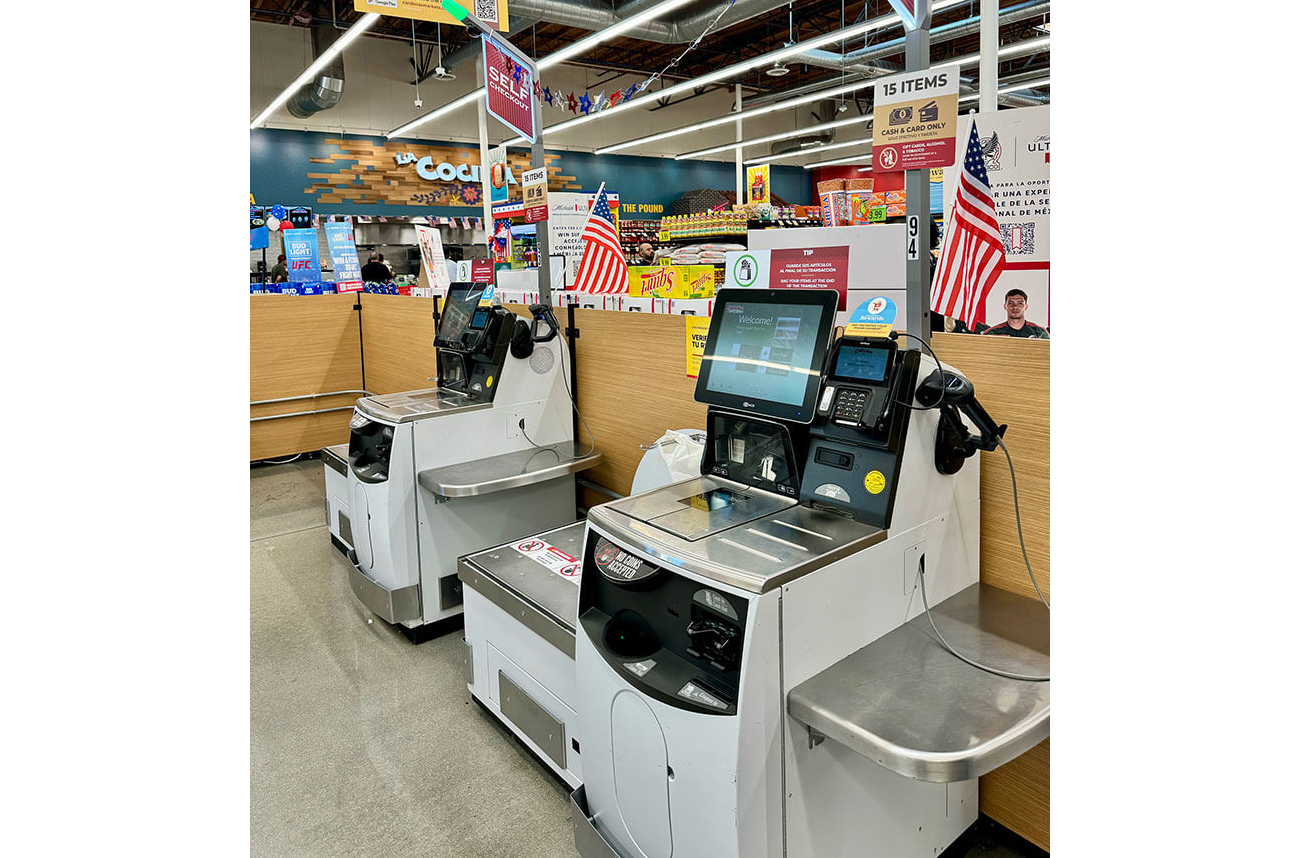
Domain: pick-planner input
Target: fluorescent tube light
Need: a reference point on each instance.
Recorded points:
(326, 57)
(857, 159)
(800, 154)
(744, 114)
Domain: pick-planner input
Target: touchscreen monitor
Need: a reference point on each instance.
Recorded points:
(765, 351)
(458, 311)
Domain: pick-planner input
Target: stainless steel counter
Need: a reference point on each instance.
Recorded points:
(417, 405)
(757, 543)
(544, 601)
(915, 708)
(509, 471)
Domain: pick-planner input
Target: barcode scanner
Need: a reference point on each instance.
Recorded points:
(954, 443)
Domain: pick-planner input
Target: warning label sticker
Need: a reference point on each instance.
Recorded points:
(560, 562)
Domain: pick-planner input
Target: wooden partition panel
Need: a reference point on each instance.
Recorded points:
(1011, 378)
(397, 334)
(301, 346)
(632, 385)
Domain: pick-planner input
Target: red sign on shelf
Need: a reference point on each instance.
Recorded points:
(480, 271)
(510, 77)
(811, 268)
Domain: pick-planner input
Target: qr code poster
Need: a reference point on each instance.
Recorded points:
(492, 12)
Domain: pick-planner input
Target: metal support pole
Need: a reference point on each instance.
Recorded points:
(484, 168)
(988, 55)
(543, 236)
(917, 185)
(740, 161)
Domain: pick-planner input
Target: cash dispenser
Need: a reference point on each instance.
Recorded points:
(708, 608)
(485, 456)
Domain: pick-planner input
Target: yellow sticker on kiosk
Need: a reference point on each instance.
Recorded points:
(873, 318)
(488, 383)
(874, 482)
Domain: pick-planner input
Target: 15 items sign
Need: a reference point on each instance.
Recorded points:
(915, 121)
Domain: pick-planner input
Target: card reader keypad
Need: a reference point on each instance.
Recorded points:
(850, 405)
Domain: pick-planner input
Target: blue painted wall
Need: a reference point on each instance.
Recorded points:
(280, 160)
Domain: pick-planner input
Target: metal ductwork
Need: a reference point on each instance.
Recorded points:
(325, 90)
(823, 111)
(683, 26)
(867, 62)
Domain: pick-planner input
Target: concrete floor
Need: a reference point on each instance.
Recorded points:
(364, 744)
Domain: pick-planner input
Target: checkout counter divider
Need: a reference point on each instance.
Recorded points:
(631, 385)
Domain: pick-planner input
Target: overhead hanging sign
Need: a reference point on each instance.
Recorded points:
(915, 13)
(510, 77)
(491, 12)
(914, 126)
(343, 254)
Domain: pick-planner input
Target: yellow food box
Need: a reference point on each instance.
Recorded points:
(670, 281)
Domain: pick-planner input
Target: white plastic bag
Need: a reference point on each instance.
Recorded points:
(673, 458)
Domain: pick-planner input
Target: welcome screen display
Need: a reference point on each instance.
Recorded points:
(457, 312)
(765, 351)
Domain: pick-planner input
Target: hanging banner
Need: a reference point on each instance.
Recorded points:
(258, 234)
(494, 13)
(811, 268)
(534, 184)
(343, 254)
(759, 181)
(697, 335)
(510, 77)
(302, 253)
(915, 121)
(435, 262)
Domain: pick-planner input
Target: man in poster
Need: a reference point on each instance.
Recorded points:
(1016, 325)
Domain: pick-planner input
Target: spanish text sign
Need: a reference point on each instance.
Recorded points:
(343, 254)
(915, 122)
(510, 78)
(811, 268)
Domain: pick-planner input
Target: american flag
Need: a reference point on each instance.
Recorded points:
(603, 269)
(972, 256)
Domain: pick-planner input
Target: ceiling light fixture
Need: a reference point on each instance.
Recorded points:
(744, 114)
(856, 159)
(327, 56)
(728, 147)
(799, 154)
(567, 52)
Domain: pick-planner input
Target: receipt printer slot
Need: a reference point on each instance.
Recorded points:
(835, 458)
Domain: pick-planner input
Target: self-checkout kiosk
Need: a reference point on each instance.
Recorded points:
(836, 474)
(486, 456)
(734, 664)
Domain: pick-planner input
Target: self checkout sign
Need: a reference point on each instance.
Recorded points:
(510, 77)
